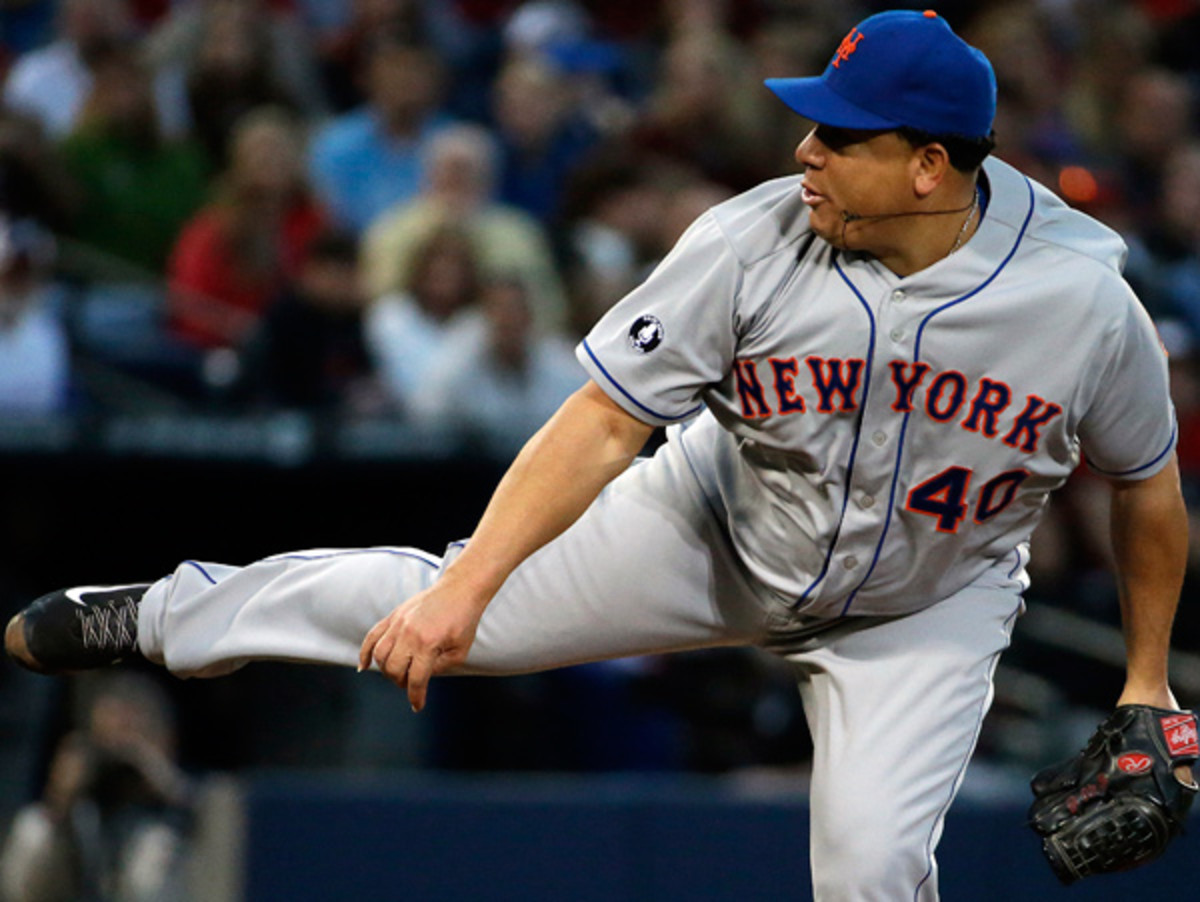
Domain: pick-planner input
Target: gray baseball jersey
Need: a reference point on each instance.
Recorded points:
(858, 444)
(880, 442)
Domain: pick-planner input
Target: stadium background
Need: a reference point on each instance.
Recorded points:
(179, 378)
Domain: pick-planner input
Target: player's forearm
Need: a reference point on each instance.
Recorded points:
(1149, 534)
(554, 479)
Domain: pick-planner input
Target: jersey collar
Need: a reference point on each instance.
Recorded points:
(1009, 201)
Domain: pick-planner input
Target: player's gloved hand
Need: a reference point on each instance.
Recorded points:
(1118, 803)
(427, 635)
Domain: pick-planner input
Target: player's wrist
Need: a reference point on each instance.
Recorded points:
(1155, 693)
(474, 584)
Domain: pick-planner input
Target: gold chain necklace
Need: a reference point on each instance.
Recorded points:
(962, 233)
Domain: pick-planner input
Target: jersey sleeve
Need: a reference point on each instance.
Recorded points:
(657, 349)
(1129, 430)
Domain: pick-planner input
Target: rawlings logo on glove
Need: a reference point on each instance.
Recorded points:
(1180, 732)
(1118, 803)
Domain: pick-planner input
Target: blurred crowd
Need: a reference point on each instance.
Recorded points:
(113, 819)
(359, 207)
(415, 208)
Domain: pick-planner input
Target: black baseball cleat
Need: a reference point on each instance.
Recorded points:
(76, 629)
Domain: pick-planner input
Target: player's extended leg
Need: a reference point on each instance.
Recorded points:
(647, 568)
(895, 710)
(308, 606)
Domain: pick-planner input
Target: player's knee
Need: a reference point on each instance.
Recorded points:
(871, 858)
(888, 877)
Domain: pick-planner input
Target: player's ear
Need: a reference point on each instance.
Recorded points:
(930, 164)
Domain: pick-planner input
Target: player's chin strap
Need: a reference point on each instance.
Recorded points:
(849, 217)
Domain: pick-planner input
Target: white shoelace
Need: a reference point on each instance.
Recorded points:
(111, 625)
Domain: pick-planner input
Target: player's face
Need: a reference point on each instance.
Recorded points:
(864, 173)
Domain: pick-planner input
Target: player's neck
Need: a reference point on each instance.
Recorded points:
(910, 244)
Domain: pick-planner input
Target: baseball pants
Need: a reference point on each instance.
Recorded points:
(894, 704)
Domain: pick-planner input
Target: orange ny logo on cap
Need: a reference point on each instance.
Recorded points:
(848, 46)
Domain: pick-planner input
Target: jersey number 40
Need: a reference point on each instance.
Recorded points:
(944, 496)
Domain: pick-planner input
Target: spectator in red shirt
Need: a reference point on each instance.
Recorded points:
(233, 257)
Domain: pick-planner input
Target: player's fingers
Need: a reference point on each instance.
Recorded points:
(367, 649)
(395, 664)
(399, 674)
(419, 673)
(449, 659)
(389, 652)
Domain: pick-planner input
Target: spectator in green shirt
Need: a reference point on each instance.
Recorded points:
(138, 186)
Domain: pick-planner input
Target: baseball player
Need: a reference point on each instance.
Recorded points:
(873, 374)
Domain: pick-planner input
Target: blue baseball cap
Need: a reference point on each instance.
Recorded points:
(899, 68)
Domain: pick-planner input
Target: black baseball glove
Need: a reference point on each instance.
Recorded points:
(1117, 804)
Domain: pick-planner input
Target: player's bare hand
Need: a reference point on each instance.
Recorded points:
(427, 635)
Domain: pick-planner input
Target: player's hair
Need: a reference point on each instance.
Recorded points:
(966, 154)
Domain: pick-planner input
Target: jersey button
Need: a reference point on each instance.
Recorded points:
(850, 562)
(898, 294)
(879, 438)
(897, 334)
(866, 501)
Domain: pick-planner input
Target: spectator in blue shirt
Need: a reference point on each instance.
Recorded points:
(370, 159)
(542, 138)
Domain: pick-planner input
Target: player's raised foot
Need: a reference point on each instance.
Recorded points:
(76, 629)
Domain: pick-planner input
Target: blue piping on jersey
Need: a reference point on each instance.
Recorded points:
(1165, 451)
(916, 359)
(203, 572)
(632, 400)
(1008, 622)
(862, 406)
(1018, 565)
(414, 555)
